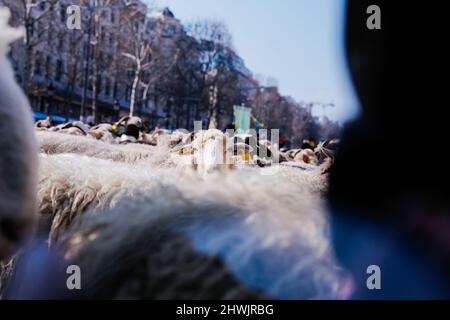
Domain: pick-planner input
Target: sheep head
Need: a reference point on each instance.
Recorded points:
(306, 156)
(210, 151)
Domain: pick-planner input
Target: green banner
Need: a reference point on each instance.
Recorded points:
(242, 117)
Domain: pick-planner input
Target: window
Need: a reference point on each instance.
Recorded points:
(41, 28)
(48, 66)
(38, 66)
(81, 80)
(63, 14)
(99, 83)
(50, 35)
(115, 90)
(127, 92)
(59, 70)
(58, 42)
(107, 88)
(66, 42)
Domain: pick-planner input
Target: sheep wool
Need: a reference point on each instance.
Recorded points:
(270, 235)
(57, 143)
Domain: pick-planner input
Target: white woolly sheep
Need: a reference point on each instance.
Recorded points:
(271, 234)
(155, 232)
(54, 143)
(133, 202)
(211, 150)
(72, 184)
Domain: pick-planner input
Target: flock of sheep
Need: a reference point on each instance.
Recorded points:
(201, 215)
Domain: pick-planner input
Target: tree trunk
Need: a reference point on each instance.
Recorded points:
(213, 112)
(213, 119)
(169, 114)
(26, 76)
(133, 91)
(188, 116)
(94, 87)
(177, 117)
(95, 68)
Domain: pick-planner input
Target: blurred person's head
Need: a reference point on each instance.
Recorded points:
(387, 206)
(375, 171)
(18, 153)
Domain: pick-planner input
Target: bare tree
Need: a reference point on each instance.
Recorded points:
(215, 43)
(97, 53)
(96, 12)
(71, 71)
(328, 129)
(135, 46)
(141, 54)
(37, 18)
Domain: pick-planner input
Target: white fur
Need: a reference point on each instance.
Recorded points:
(272, 234)
(240, 216)
(56, 143)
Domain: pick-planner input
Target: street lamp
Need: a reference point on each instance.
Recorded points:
(50, 93)
(87, 59)
(50, 90)
(116, 108)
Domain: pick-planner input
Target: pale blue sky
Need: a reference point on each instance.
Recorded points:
(298, 42)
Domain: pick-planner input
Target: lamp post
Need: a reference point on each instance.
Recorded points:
(50, 93)
(86, 68)
(116, 108)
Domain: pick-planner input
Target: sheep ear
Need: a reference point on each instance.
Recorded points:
(188, 148)
(182, 148)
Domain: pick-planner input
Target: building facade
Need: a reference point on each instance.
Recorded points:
(92, 72)
(62, 66)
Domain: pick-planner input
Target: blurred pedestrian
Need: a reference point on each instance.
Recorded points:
(390, 219)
